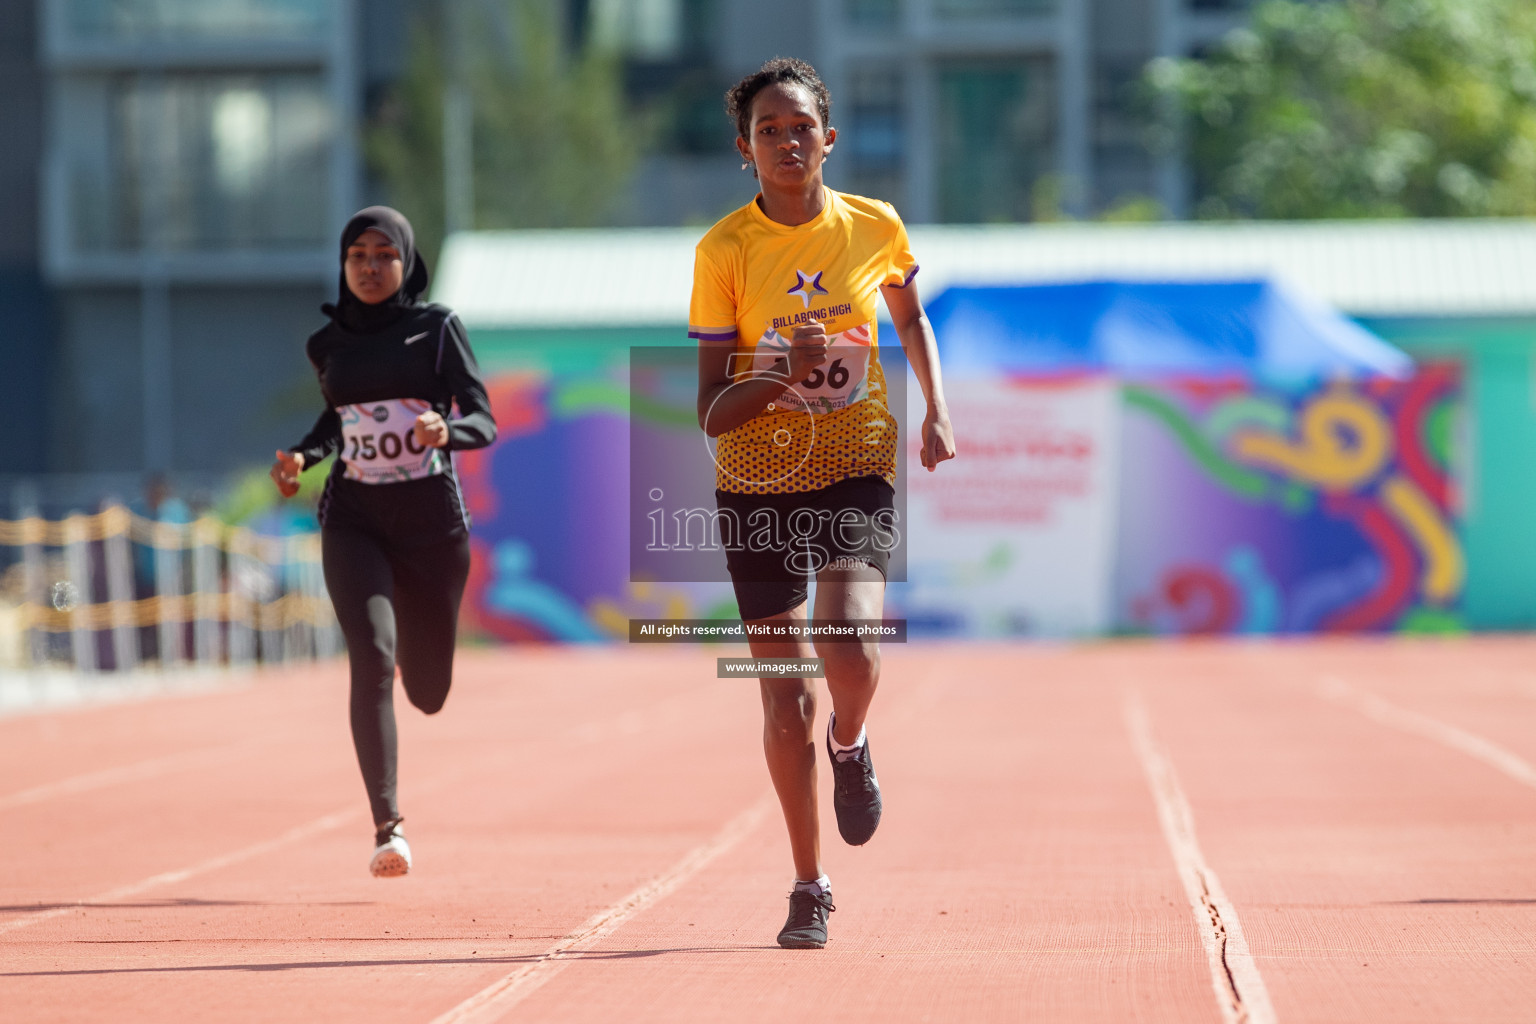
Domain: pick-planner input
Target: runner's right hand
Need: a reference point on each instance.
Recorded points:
(285, 472)
(807, 350)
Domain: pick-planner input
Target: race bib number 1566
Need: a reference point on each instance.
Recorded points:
(836, 384)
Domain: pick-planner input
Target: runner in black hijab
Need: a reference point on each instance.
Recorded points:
(393, 526)
(353, 313)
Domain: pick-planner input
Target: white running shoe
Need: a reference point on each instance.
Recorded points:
(392, 854)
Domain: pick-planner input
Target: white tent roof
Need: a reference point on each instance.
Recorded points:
(642, 277)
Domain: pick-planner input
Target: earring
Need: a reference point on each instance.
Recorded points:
(745, 164)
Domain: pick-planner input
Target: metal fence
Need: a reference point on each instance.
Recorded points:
(114, 591)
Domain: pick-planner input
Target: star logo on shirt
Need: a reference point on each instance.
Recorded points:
(808, 287)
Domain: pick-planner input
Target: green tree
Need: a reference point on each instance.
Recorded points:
(1361, 108)
(552, 141)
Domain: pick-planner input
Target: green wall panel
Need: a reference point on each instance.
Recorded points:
(1500, 482)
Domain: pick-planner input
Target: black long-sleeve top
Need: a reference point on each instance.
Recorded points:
(424, 355)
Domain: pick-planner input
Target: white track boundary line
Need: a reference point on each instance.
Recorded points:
(135, 772)
(1384, 712)
(496, 999)
(146, 769)
(1240, 992)
(319, 825)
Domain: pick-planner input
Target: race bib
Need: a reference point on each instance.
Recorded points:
(379, 445)
(836, 384)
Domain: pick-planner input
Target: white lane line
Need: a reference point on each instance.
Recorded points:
(1240, 992)
(313, 828)
(63, 692)
(148, 768)
(1387, 713)
(135, 772)
(496, 999)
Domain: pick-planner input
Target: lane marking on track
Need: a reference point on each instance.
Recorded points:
(62, 692)
(313, 828)
(136, 772)
(496, 999)
(623, 724)
(1385, 712)
(1240, 992)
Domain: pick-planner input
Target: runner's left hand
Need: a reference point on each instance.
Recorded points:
(938, 439)
(285, 472)
(431, 430)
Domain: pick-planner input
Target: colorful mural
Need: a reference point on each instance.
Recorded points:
(550, 503)
(1256, 508)
(1240, 507)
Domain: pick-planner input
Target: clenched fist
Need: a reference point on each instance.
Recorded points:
(431, 430)
(285, 472)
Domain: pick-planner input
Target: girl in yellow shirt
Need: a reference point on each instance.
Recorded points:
(791, 386)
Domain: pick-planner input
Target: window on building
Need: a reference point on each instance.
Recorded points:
(1122, 163)
(190, 19)
(996, 135)
(196, 162)
(671, 80)
(991, 8)
(874, 14)
(872, 135)
(651, 30)
(692, 118)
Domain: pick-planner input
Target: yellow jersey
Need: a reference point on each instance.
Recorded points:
(754, 282)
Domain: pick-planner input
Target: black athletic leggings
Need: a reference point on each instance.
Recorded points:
(396, 606)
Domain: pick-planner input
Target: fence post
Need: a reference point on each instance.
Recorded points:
(329, 642)
(169, 540)
(33, 581)
(269, 632)
(119, 564)
(205, 592)
(295, 638)
(77, 559)
(323, 627)
(244, 592)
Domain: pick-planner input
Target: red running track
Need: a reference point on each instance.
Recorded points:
(1330, 831)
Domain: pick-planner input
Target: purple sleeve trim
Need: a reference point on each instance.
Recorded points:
(703, 334)
(908, 279)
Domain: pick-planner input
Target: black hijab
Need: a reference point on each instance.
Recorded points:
(353, 313)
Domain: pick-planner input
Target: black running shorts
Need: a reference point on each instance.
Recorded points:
(774, 543)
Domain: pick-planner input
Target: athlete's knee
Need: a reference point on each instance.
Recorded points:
(787, 707)
(851, 663)
(428, 700)
(372, 670)
(430, 704)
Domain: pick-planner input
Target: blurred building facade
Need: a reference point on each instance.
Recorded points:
(957, 111)
(27, 329)
(175, 171)
(197, 156)
(174, 175)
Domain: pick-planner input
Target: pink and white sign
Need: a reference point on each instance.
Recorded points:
(1016, 535)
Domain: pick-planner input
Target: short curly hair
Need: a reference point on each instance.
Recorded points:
(739, 97)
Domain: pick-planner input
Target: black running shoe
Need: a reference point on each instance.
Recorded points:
(855, 792)
(807, 924)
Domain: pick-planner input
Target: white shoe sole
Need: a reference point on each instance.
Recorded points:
(391, 860)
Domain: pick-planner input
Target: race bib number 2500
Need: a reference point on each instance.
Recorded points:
(379, 445)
